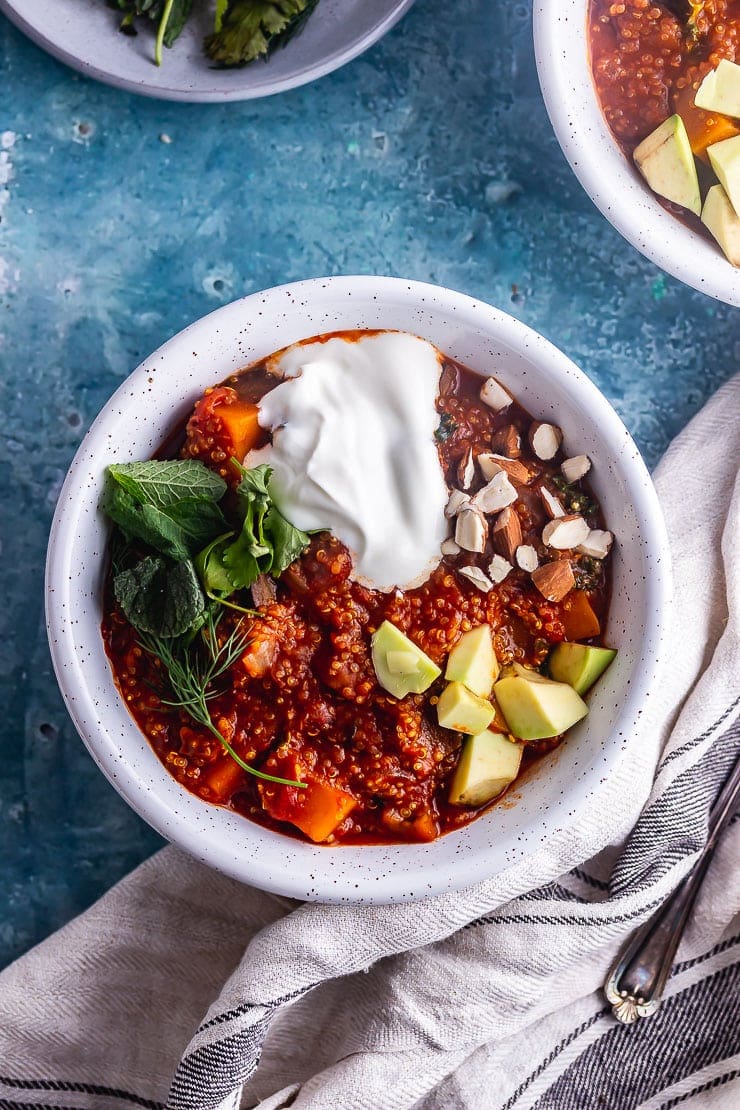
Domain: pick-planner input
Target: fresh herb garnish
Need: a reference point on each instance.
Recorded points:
(164, 482)
(575, 499)
(446, 428)
(588, 573)
(249, 29)
(159, 597)
(243, 30)
(193, 666)
(266, 544)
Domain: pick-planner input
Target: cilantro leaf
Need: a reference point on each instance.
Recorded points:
(159, 597)
(249, 29)
(287, 541)
(162, 482)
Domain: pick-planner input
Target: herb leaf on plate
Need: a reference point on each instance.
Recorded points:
(160, 597)
(250, 29)
(162, 482)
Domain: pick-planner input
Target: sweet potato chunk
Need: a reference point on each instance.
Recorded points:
(223, 778)
(317, 810)
(222, 427)
(703, 128)
(579, 620)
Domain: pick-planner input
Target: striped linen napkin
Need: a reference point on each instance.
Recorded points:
(488, 999)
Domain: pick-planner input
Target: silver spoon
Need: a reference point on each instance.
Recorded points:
(636, 982)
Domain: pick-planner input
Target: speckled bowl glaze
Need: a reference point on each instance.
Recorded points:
(612, 182)
(82, 34)
(161, 392)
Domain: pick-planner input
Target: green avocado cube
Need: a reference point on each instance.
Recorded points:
(400, 666)
(720, 90)
(473, 661)
(719, 217)
(666, 161)
(579, 664)
(725, 159)
(462, 710)
(489, 762)
(535, 707)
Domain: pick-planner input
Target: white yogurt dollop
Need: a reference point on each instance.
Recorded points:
(353, 451)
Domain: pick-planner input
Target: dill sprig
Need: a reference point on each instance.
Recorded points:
(193, 665)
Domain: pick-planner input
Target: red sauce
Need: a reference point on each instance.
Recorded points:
(304, 701)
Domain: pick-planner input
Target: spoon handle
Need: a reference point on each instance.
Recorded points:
(635, 983)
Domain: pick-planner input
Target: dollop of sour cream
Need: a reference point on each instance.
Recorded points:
(353, 450)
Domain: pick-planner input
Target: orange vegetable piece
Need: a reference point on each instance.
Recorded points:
(240, 423)
(703, 128)
(317, 809)
(222, 426)
(579, 620)
(223, 778)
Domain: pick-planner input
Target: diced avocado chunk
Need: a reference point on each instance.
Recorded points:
(719, 217)
(579, 664)
(489, 762)
(720, 90)
(462, 710)
(473, 661)
(725, 159)
(535, 707)
(666, 161)
(390, 641)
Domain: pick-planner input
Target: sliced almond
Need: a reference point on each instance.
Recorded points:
(477, 577)
(526, 557)
(449, 547)
(499, 568)
(508, 441)
(471, 529)
(565, 532)
(466, 469)
(545, 440)
(507, 533)
(576, 468)
(496, 495)
(596, 544)
(493, 394)
(491, 463)
(554, 580)
(455, 502)
(553, 505)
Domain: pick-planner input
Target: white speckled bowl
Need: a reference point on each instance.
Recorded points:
(162, 390)
(614, 185)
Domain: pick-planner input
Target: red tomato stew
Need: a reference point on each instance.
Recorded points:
(304, 662)
(649, 59)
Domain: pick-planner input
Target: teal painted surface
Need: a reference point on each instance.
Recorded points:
(124, 219)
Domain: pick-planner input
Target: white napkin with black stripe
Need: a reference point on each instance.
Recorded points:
(487, 999)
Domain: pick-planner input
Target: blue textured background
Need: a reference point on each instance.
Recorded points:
(430, 157)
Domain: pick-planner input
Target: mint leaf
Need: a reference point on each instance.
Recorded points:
(199, 520)
(163, 482)
(160, 598)
(178, 17)
(145, 523)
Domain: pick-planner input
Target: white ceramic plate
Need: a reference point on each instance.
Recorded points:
(161, 392)
(84, 35)
(614, 185)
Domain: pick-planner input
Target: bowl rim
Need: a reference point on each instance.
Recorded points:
(563, 67)
(176, 825)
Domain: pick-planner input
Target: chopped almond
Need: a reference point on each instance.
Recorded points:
(455, 502)
(477, 577)
(508, 441)
(554, 580)
(496, 495)
(449, 547)
(507, 533)
(499, 568)
(553, 505)
(596, 544)
(576, 468)
(526, 557)
(493, 394)
(565, 532)
(471, 530)
(466, 469)
(545, 440)
(491, 464)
